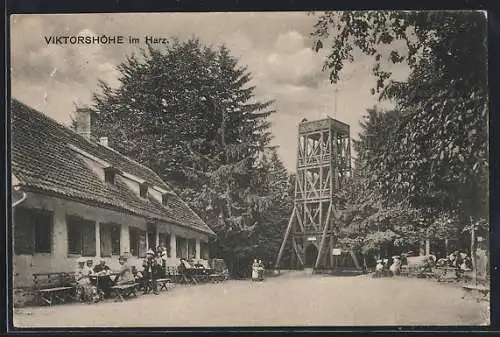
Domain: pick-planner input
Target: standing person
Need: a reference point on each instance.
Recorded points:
(255, 270)
(160, 264)
(395, 266)
(261, 270)
(386, 266)
(379, 269)
(149, 264)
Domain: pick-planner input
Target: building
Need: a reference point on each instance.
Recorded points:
(75, 197)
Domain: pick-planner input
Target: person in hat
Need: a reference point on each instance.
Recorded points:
(160, 264)
(150, 264)
(85, 290)
(124, 273)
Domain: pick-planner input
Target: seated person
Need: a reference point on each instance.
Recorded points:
(137, 274)
(186, 264)
(85, 291)
(124, 274)
(185, 268)
(102, 268)
(104, 282)
(199, 265)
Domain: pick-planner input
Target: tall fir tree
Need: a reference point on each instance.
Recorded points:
(188, 111)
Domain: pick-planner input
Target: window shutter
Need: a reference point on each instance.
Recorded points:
(105, 235)
(179, 249)
(115, 239)
(191, 248)
(88, 238)
(74, 236)
(23, 232)
(43, 221)
(142, 244)
(133, 242)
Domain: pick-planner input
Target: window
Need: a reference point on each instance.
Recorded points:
(110, 175)
(165, 242)
(204, 250)
(137, 242)
(192, 248)
(110, 239)
(181, 249)
(151, 236)
(143, 190)
(81, 236)
(32, 231)
(165, 198)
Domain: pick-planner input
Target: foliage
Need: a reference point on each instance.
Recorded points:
(188, 112)
(435, 154)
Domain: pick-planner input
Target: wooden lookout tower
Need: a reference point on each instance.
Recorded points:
(323, 165)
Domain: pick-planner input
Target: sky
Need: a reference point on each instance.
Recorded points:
(275, 46)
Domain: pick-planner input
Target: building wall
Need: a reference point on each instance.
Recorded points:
(60, 261)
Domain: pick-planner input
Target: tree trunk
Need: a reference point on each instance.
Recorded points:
(473, 249)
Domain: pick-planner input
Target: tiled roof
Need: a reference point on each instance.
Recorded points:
(43, 160)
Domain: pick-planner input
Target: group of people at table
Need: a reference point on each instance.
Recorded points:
(457, 260)
(95, 283)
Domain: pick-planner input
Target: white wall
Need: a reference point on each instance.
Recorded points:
(60, 261)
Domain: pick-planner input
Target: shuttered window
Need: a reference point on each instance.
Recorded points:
(204, 250)
(181, 249)
(32, 231)
(192, 249)
(110, 239)
(165, 242)
(137, 242)
(81, 236)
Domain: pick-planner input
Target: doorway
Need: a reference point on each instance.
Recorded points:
(311, 254)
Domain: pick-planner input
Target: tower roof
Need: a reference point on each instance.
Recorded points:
(323, 124)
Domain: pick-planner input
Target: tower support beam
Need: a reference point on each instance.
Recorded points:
(322, 162)
(287, 233)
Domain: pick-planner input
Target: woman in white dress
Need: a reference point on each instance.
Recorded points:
(395, 266)
(255, 270)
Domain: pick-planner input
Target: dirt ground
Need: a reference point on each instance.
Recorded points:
(292, 299)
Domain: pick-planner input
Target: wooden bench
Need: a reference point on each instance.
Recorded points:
(185, 278)
(173, 274)
(50, 288)
(125, 290)
(217, 277)
(404, 271)
(162, 283)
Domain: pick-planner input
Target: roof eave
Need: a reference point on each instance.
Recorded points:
(95, 203)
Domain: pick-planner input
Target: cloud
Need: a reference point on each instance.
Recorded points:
(275, 47)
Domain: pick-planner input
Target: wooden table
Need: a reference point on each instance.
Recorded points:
(125, 290)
